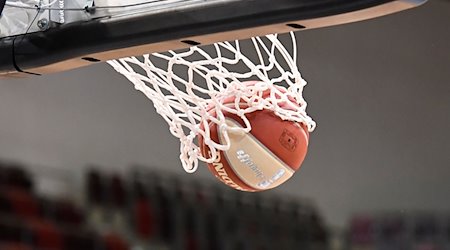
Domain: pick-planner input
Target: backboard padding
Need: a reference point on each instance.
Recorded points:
(79, 44)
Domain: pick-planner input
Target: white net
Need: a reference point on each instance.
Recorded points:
(192, 88)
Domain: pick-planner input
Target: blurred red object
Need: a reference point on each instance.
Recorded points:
(14, 246)
(144, 219)
(115, 242)
(21, 202)
(46, 234)
(362, 231)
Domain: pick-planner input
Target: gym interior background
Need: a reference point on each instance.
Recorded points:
(379, 91)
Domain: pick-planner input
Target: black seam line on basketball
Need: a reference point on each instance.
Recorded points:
(264, 147)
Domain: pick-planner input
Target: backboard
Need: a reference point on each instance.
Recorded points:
(63, 35)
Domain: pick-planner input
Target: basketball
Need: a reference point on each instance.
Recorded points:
(260, 160)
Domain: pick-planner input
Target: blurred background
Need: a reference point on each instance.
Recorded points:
(86, 163)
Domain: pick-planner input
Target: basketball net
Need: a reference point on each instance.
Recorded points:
(186, 85)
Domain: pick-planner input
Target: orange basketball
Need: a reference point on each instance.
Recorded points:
(262, 159)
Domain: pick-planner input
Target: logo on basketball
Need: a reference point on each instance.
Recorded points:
(245, 159)
(222, 174)
(288, 140)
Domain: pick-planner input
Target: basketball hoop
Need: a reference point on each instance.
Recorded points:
(186, 85)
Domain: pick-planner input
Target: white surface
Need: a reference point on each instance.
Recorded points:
(14, 21)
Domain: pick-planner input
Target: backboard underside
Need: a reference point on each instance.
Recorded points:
(105, 36)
